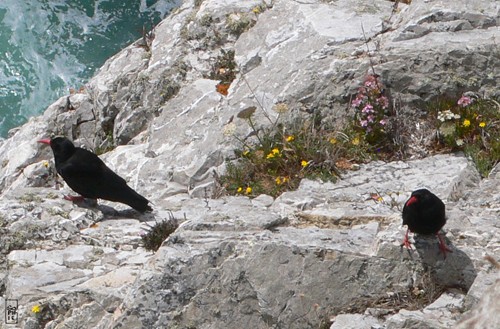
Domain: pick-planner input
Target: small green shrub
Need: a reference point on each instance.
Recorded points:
(278, 157)
(471, 125)
(371, 108)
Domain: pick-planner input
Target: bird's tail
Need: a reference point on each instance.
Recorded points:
(133, 199)
(141, 205)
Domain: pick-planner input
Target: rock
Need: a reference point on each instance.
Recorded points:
(484, 313)
(327, 251)
(354, 321)
(439, 314)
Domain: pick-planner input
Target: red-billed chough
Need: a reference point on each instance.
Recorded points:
(424, 213)
(87, 175)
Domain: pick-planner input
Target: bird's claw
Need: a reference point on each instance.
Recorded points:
(442, 246)
(406, 242)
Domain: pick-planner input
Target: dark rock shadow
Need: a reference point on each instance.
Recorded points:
(455, 271)
(111, 213)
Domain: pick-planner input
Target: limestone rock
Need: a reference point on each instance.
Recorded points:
(327, 253)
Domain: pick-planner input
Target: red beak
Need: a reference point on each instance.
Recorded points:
(44, 141)
(411, 200)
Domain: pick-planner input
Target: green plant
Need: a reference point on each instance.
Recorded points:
(224, 69)
(371, 108)
(374, 131)
(44, 313)
(237, 23)
(352, 148)
(276, 158)
(262, 7)
(107, 144)
(471, 125)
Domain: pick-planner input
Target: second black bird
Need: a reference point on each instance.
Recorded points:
(87, 175)
(424, 213)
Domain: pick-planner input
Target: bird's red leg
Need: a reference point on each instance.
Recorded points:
(75, 198)
(442, 246)
(406, 242)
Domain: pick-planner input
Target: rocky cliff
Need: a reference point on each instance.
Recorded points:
(326, 254)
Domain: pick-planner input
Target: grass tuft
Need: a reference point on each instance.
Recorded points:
(158, 233)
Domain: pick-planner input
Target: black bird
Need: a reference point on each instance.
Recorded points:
(424, 213)
(87, 175)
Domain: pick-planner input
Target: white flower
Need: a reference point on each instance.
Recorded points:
(280, 108)
(447, 115)
(229, 129)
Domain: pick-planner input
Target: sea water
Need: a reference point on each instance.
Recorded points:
(48, 47)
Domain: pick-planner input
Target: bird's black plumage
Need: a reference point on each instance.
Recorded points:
(424, 213)
(87, 175)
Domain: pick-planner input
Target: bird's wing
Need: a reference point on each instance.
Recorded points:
(88, 175)
(115, 188)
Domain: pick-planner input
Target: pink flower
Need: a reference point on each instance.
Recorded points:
(367, 109)
(383, 122)
(363, 123)
(464, 101)
(357, 101)
(371, 82)
(383, 101)
(370, 118)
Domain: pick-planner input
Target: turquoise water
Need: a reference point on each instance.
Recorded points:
(50, 46)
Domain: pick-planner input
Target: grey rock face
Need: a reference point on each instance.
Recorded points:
(294, 262)
(219, 272)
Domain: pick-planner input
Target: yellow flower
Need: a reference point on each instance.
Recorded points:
(482, 124)
(248, 190)
(304, 163)
(246, 152)
(45, 163)
(256, 10)
(355, 141)
(466, 123)
(285, 179)
(274, 152)
(333, 140)
(278, 180)
(290, 138)
(35, 309)
(239, 189)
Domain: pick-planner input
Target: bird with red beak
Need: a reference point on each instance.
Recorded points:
(86, 174)
(424, 213)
